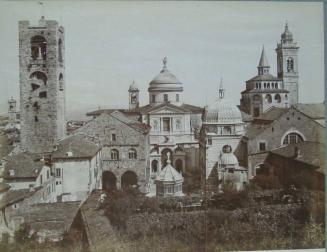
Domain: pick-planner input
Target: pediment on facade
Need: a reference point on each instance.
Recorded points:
(167, 109)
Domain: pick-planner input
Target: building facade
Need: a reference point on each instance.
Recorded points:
(42, 84)
(221, 132)
(265, 90)
(125, 150)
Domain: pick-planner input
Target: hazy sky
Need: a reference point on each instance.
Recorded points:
(108, 44)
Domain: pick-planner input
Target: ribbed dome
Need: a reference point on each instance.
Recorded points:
(165, 81)
(287, 36)
(228, 159)
(223, 111)
(133, 87)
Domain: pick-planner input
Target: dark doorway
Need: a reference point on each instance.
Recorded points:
(179, 165)
(128, 179)
(109, 181)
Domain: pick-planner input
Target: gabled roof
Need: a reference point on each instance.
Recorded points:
(312, 110)
(184, 108)
(253, 130)
(141, 127)
(77, 146)
(24, 165)
(12, 196)
(272, 114)
(311, 153)
(109, 111)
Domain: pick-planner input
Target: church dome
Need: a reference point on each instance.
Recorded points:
(228, 159)
(133, 87)
(165, 81)
(287, 36)
(223, 111)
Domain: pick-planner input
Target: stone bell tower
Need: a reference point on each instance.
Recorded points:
(287, 64)
(133, 92)
(42, 84)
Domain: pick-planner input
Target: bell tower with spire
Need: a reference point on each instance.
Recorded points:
(287, 64)
(133, 92)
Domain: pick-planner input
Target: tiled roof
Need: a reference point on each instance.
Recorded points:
(76, 146)
(169, 174)
(12, 196)
(310, 153)
(266, 90)
(109, 111)
(24, 165)
(264, 77)
(272, 114)
(312, 110)
(246, 117)
(144, 128)
(56, 217)
(253, 130)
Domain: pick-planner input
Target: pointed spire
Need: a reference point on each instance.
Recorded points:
(263, 59)
(221, 89)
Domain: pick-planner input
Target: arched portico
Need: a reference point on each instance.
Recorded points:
(109, 181)
(128, 179)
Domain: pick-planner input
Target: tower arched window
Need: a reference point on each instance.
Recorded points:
(38, 78)
(292, 138)
(114, 154)
(278, 98)
(60, 50)
(132, 154)
(286, 97)
(290, 65)
(268, 98)
(61, 82)
(38, 47)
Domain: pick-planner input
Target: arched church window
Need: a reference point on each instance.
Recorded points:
(177, 97)
(290, 65)
(60, 50)
(165, 98)
(292, 138)
(114, 154)
(132, 154)
(61, 82)
(268, 98)
(38, 47)
(179, 165)
(286, 97)
(278, 98)
(153, 98)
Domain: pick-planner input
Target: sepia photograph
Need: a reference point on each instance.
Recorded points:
(165, 126)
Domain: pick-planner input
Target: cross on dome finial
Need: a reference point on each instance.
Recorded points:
(164, 61)
(168, 157)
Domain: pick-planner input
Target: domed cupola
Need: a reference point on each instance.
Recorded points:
(165, 87)
(223, 110)
(287, 36)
